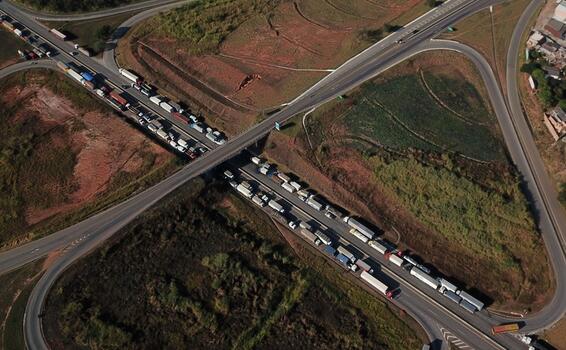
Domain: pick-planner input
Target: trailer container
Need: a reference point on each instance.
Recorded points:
(303, 195)
(505, 328)
(359, 226)
(364, 266)
(180, 117)
(470, 299)
(329, 250)
(184, 143)
(323, 237)
(424, 277)
(176, 106)
(377, 284)
(8, 25)
(75, 75)
(163, 134)
(313, 203)
(131, 76)
(63, 66)
(118, 98)
(452, 296)
(303, 224)
(283, 177)
(295, 185)
(346, 252)
(198, 127)
(84, 51)
(276, 206)
(308, 235)
(256, 160)
(447, 285)
(58, 34)
(245, 191)
(394, 259)
(156, 99)
(167, 107)
(157, 124)
(87, 76)
(116, 105)
(343, 259)
(358, 235)
(18, 32)
(288, 187)
(257, 200)
(410, 260)
(378, 246)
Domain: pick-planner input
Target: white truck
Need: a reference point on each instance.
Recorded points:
(166, 106)
(309, 236)
(156, 99)
(359, 226)
(358, 235)
(276, 206)
(377, 284)
(378, 246)
(244, 190)
(288, 187)
(323, 238)
(131, 76)
(313, 203)
(394, 259)
(424, 277)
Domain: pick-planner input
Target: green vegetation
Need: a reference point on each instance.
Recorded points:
(549, 90)
(459, 209)
(562, 193)
(16, 286)
(9, 46)
(206, 269)
(203, 25)
(66, 6)
(92, 33)
(403, 113)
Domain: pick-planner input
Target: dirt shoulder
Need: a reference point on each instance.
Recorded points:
(63, 156)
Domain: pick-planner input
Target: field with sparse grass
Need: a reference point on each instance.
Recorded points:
(9, 46)
(207, 269)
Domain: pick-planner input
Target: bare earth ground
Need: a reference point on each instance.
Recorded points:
(362, 194)
(105, 146)
(254, 69)
(556, 336)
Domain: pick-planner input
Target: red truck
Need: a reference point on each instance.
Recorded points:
(180, 117)
(118, 98)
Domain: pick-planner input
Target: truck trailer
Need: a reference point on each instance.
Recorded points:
(245, 191)
(346, 252)
(470, 299)
(288, 187)
(309, 235)
(424, 277)
(377, 284)
(364, 266)
(131, 76)
(394, 259)
(313, 203)
(358, 235)
(276, 206)
(359, 226)
(115, 95)
(58, 34)
(323, 237)
(378, 246)
(505, 328)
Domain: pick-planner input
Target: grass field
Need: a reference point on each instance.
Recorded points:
(91, 33)
(16, 285)
(9, 46)
(206, 269)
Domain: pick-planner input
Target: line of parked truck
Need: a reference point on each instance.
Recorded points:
(315, 236)
(39, 50)
(368, 236)
(173, 108)
(116, 99)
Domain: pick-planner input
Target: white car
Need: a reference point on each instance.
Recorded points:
(293, 224)
(180, 148)
(152, 127)
(173, 144)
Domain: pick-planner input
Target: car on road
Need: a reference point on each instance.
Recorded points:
(142, 121)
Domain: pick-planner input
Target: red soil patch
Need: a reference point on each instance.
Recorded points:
(296, 35)
(104, 145)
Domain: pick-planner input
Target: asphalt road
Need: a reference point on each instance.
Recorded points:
(95, 14)
(551, 215)
(47, 64)
(364, 66)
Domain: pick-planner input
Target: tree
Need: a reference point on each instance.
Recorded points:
(431, 3)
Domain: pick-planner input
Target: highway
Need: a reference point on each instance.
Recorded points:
(88, 234)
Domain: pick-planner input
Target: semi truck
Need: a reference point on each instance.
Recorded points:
(313, 203)
(276, 206)
(115, 95)
(470, 299)
(358, 235)
(58, 34)
(378, 246)
(364, 266)
(180, 117)
(424, 277)
(244, 190)
(394, 259)
(166, 106)
(346, 252)
(309, 236)
(359, 226)
(75, 75)
(505, 328)
(63, 66)
(323, 237)
(288, 187)
(131, 76)
(377, 284)
(156, 99)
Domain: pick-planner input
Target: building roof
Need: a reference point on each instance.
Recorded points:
(552, 71)
(560, 12)
(550, 46)
(554, 25)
